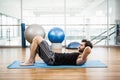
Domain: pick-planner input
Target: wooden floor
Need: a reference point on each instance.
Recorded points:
(110, 56)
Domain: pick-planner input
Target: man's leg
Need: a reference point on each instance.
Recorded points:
(36, 41)
(45, 52)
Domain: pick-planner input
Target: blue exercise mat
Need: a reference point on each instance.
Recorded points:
(41, 64)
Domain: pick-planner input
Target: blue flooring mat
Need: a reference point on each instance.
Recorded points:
(41, 64)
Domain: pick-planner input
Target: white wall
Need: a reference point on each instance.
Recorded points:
(11, 8)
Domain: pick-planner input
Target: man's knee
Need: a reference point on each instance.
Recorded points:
(38, 39)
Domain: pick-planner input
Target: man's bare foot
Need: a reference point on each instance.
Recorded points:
(27, 63)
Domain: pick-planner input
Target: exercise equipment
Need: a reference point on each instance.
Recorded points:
(56, 35)
(41, 64)
(34, 30)
(73, 45)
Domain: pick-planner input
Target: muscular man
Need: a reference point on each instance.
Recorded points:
(40, 46)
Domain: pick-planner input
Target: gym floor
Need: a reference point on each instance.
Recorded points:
(108, 55)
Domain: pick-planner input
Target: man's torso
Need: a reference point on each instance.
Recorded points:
(66, 58)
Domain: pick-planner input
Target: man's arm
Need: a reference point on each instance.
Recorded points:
(83, 57)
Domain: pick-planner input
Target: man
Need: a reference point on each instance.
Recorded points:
(40, 46)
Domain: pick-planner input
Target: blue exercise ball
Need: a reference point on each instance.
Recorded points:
(56, 35)
(73, 45)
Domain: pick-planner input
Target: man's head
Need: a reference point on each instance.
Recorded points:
(85, 43)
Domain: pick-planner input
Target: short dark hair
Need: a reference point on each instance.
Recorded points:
(87, 43)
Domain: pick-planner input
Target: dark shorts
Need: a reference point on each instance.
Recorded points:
(46, 53)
